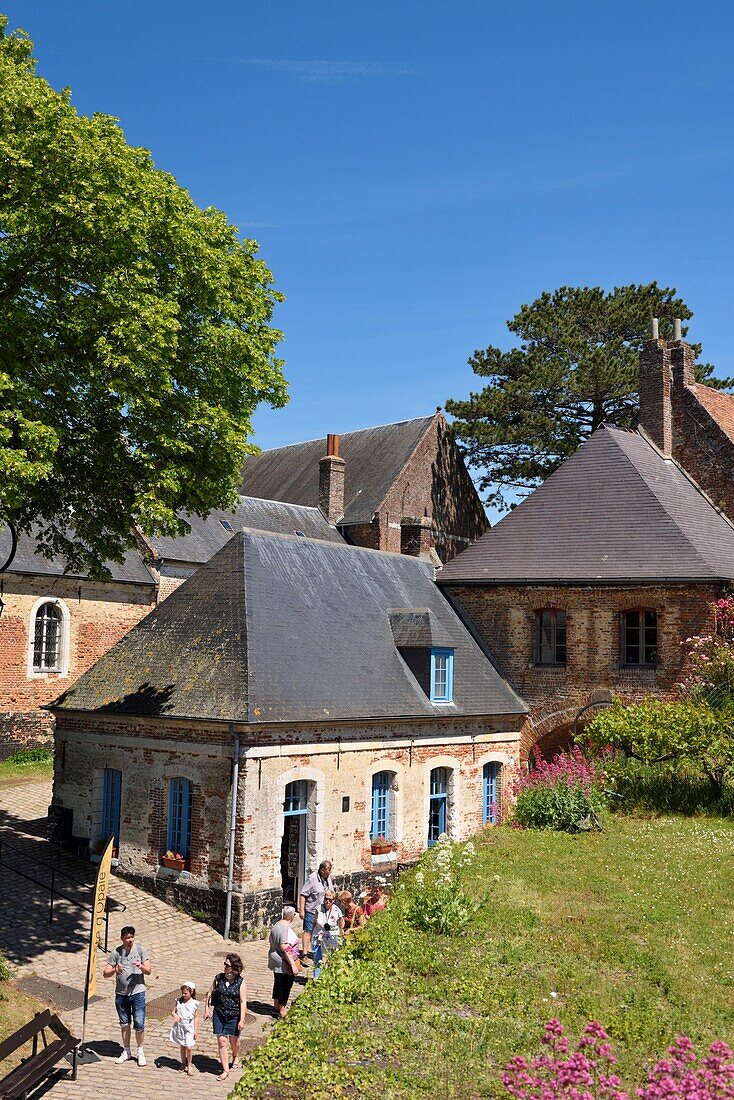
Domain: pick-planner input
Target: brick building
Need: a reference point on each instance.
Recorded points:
(346, 690)
(591, 585)
(400, 487)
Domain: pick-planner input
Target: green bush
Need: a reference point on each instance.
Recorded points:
(434, 898)
(6, 971)
(667, 789)
(561, 807)
(26, 757)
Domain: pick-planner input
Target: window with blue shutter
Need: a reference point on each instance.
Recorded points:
(491, 808)
(381, 793)
(438, 804)
(179, 817)
(111, 797)
(442, 675)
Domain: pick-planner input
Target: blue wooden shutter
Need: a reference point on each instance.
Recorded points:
(491, 793)
(179, 816)
(381, 804)
(111, 797)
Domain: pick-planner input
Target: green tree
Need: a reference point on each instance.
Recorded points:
(135, 337)
(575, 368)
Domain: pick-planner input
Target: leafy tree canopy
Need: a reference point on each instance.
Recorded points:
(135, 337)
(576, 367)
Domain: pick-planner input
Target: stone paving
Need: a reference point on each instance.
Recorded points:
(50, 959)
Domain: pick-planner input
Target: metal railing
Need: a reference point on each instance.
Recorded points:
(54, 892)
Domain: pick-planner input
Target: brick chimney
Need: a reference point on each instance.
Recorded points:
(416, 536)
(656, 414)
(331, 481)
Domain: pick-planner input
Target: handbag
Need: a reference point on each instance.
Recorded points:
(293, 953)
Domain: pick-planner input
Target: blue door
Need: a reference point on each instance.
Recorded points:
(438, 804)
(293, 845)
(491, 808)
(111, 797)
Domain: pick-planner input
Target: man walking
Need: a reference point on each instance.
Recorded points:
(310, 901)
(129, 963)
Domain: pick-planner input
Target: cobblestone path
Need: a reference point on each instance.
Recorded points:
(50, 959)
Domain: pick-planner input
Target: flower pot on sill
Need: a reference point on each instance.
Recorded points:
(382, 847)
(173, 863)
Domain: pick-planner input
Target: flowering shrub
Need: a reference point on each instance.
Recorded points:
(585, 1074)
(565, 793)
(437, 902)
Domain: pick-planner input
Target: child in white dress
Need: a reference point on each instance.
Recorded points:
(185, 1024)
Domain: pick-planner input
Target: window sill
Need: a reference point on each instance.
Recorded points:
(170, 872)
(385, 858)
(548, 668)
(639, 670)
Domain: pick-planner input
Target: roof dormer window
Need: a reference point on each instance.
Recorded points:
(442, 675)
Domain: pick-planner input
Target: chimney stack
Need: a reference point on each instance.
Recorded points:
(655, 379)
(331, 481)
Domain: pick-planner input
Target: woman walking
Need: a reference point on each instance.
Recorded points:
(228, 999)
(283, 959)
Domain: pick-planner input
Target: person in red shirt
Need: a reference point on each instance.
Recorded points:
(377, 900)
(353, 913)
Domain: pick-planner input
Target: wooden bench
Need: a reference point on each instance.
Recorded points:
(33, 1070)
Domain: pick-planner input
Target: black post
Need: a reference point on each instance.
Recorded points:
(51, 905)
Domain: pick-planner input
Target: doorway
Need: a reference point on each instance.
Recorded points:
(295, 839)
(111, 798)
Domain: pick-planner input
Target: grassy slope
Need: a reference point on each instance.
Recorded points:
(633, 927)
(11, 774)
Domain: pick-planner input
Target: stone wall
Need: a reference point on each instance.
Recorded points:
(337, 762)
(434, 483)
(96, 615)
(505, 617)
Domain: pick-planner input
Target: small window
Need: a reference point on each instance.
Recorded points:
(491, 795)
(381, 808)
(442, 675)
(550, 637)
(226, 525)
(179, 817)
(640, 638)
(47, 639)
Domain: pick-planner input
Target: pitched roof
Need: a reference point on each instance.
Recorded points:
(209, 535)
(374, 457)
(719, 405)
(282, 629)
(615, 511)
(131, 570)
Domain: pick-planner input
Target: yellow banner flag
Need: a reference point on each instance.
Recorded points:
(99, 907)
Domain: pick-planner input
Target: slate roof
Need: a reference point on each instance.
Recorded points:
(616, 511)
(282, 629)
(28, 560)
(374, 458)
(209, 535)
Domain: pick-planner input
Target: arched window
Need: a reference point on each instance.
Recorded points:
(438, 806)
(383, 805)
(179, 817)
(47, 638)
(550, 637)
(491, 793)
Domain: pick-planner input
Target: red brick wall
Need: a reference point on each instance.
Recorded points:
(434, 483)
(504, 615)
(99, 615)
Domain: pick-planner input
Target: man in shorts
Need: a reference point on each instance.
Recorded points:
(129, 963)
(310, 901)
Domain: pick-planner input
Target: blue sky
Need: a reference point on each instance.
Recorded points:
(415, 171)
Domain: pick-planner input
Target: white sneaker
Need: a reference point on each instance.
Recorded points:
(124, 1057)
(141, 1057)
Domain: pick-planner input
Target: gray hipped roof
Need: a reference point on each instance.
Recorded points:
(28, 559)
(615, 511)
(207, 536)
(374, 457)
(282, 629)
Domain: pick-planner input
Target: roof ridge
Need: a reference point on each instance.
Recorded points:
(345, 546)
(342, 435)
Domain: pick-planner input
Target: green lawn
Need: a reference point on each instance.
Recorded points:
(26, 771)
(633, 927)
